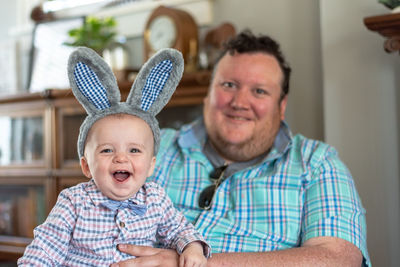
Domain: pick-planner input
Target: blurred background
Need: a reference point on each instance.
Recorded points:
(344, 90)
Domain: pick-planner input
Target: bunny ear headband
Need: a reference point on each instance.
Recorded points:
(94, 85)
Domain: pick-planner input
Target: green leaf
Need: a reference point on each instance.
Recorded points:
(96, 33)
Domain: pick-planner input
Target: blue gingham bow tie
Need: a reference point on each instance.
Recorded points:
(115, 205)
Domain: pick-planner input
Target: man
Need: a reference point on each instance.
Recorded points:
(259, 196)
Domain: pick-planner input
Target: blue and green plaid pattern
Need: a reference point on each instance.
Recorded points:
(90, 86)
(155, 83)
(294, 194)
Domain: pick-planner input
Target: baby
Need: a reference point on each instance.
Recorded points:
(117, 145)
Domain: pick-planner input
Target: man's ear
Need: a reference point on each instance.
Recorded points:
(282, 107)
(152, 166)
(85, 168)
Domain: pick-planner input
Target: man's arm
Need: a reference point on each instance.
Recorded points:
(318, 251)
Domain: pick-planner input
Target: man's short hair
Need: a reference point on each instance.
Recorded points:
(247, 42)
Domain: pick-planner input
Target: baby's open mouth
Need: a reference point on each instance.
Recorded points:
(121, 176)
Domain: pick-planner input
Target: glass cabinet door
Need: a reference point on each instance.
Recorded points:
(22, 208)
(21, 140)
(70, 121)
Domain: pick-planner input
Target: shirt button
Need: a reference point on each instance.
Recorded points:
(122, 224)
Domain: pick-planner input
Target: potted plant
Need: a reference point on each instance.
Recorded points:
(390, 3)
(95, 33)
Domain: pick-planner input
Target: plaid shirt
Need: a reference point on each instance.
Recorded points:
(79, 231)
(300, 190)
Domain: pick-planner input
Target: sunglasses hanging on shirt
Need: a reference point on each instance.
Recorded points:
(207, 195)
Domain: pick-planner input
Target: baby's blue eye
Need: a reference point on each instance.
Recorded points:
(106, 150)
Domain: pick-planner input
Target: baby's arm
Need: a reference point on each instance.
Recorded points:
(193, 256)
(174, 231)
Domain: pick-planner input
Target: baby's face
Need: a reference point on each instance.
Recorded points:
(119, 155)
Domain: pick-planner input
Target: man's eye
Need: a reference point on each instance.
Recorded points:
(106, 150)
(228, 84)
(259, 91)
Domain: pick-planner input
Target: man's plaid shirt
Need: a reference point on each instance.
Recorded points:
(300, 190)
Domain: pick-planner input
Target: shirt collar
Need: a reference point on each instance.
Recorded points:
(282, 143)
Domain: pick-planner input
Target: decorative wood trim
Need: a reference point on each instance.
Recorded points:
(12, 247)
(19, 177)
(195, 84)
(388, 26)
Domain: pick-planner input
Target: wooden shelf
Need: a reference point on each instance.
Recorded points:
(192, 87)
(387, 25)
(13, 247)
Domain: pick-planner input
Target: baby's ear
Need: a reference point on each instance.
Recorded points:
(92, 81)
(85, 168)
(156, 81)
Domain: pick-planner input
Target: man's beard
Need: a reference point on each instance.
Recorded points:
(245, 151)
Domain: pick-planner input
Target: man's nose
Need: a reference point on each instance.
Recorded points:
(240, 99)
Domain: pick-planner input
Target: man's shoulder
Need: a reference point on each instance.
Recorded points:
(168, 134)
(168, 138)
(314, 156)
(311, 150)
(181, 137)
(302, 141)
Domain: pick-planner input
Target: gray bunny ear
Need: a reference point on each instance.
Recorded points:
(156, 81)
(92, 81)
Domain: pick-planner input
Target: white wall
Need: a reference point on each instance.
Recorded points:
(7, 17)
(361, 116)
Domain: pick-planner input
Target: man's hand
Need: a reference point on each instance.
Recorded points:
(148, 256)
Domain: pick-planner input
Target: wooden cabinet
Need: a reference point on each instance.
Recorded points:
(38, 155)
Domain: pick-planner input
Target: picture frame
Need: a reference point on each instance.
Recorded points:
(49, 56)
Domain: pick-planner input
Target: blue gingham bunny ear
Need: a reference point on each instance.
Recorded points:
(92, 81)
(156, 81)
(94, 85)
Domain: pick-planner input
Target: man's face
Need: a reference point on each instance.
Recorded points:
(119, 155)
(242, 110)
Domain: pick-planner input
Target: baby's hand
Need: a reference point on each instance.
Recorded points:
(193, 256)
